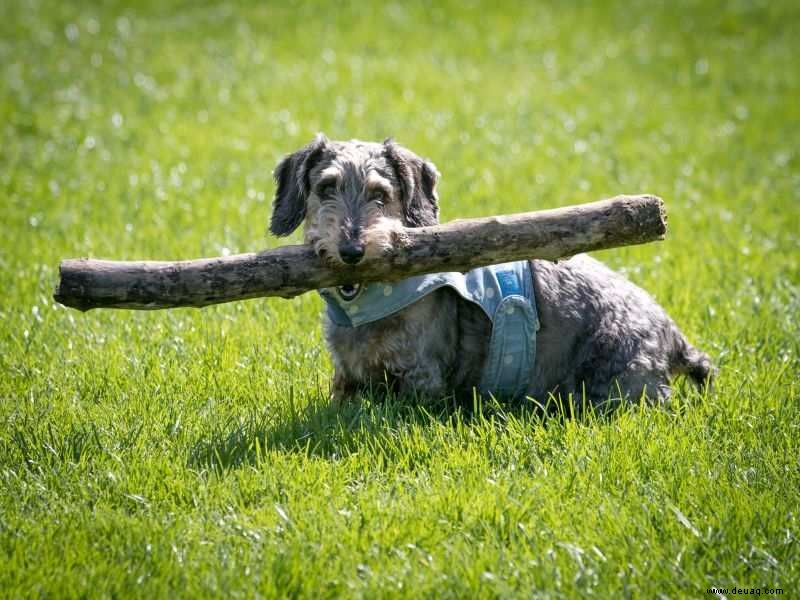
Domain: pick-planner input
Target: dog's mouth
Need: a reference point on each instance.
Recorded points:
(348, 291)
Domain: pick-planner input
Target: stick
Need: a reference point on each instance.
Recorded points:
(292, 270)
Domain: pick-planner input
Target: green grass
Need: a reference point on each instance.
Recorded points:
(192, 453)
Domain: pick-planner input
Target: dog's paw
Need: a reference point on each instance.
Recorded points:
(342, 390)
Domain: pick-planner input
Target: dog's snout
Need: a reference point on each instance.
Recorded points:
(351, 252)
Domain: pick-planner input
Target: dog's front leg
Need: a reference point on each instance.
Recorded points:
(425, 382)
(343, 388)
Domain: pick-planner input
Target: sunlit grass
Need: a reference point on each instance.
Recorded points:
(192, 452)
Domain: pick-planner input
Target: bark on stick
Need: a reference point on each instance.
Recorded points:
(292, 270)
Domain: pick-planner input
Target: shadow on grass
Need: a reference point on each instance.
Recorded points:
(329, 432)
(319, 429)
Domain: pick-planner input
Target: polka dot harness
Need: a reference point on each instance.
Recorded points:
(504, 292)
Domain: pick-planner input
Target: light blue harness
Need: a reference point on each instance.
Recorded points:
(504, 292)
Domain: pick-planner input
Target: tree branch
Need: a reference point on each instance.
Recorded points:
(292, 270)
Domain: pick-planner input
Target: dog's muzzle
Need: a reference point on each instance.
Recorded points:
(351, 252)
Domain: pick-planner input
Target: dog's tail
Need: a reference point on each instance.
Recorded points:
(688, 360)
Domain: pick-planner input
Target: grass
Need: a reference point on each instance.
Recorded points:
(191, 453)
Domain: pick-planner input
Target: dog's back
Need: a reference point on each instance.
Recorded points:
(601, 335)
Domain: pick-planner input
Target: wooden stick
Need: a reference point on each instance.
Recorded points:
(292, 270)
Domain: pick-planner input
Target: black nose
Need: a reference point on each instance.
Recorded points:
(351, 252)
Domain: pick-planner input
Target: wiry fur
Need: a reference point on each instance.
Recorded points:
(601, 336)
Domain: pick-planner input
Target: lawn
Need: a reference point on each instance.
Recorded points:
(192, 453)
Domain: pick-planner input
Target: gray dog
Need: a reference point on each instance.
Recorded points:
(600, 338)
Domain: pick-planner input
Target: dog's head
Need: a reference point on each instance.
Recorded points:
(352, 195)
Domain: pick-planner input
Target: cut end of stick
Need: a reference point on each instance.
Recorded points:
(72, 300)
(659, 214)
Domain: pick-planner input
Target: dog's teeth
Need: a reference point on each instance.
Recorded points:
(349, 291)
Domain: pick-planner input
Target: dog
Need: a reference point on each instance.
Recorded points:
(600, 338)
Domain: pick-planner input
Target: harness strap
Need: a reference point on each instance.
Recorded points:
(512, 349)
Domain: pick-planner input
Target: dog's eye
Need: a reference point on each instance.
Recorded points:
(326, 190)
(378, 197)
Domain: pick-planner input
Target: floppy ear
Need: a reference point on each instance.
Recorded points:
(417, 178)
(291, 177)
